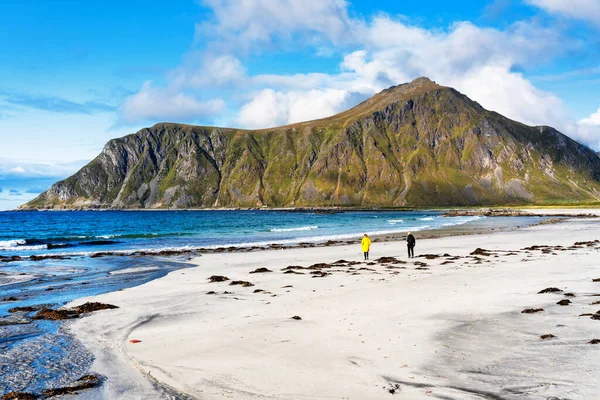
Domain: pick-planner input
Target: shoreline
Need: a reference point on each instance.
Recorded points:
(333, 209)
(466, 228)
(177, 306)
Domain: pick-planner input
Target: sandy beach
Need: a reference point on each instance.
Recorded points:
(448, 326)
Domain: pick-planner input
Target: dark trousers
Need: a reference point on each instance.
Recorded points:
(366, 255)
(411, 251)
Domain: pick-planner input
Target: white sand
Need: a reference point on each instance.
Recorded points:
(453, 331)
(562, 211)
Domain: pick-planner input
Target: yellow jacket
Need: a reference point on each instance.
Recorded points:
(365, 244)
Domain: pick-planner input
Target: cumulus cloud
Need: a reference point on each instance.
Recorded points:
(252, 24)
(208, 70)
(588, 10)
(483, 63)
(270, 108)
(480, 62)
(593, 119)
(158, 103)
(588, 130)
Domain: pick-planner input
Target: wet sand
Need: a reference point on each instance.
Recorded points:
(448, 324)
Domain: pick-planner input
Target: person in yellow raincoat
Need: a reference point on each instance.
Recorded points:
(366, 245)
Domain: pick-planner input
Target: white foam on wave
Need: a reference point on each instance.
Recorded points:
(300, 228)
(19, 245)
(7, 244)
(462, 221)
(394, 221)
(426, 219)
(291, 241)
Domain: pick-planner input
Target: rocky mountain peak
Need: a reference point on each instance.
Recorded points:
(415, 144)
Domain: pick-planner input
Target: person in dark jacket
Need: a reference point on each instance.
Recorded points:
(410, 242)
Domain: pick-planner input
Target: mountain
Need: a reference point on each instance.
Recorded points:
(416, 144)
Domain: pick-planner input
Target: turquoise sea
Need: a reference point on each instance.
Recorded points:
(80, 233)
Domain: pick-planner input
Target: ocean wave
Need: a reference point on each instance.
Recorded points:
(426, 219)
(51, 246)
(20, 245)
(463, 220)
(99, 242)
(293, 241)
(316, 238)
(300, 228)
(138, 235)
(8, 244)
(26, 248)
(395, 221)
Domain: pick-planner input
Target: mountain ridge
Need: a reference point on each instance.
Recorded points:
(414, 144)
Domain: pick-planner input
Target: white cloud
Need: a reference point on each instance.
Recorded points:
(588, 10)
(593, 119)
(270, 108)
(588, 130)
(11, 168)
(477, 61)
(250, 23)
(211, 70)
(158, 103)
(481, 62)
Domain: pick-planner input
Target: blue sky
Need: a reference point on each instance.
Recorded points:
(75, 74)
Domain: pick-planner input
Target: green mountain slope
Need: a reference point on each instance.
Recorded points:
(417, 144)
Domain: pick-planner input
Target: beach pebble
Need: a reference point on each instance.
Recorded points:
(547, 336)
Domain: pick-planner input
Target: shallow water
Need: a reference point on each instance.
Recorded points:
(35, 355)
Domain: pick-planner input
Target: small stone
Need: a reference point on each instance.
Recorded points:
(547, 336)
(550, 290)
(241, 283)
(532, 310)
(260, 270)
(218, 278)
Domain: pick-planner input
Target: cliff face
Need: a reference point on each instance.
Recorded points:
(417, 144)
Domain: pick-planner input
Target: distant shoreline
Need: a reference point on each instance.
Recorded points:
(429, 233)
(504, 211)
